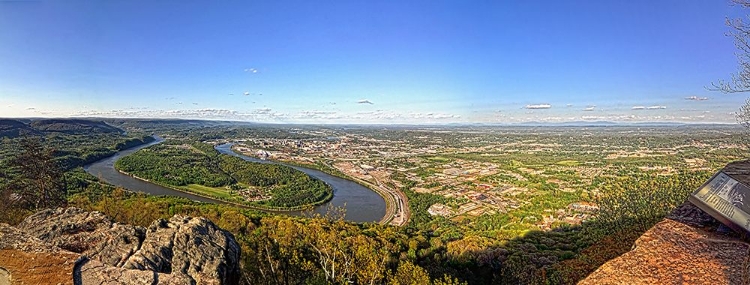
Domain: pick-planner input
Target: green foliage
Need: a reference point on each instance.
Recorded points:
(179, 165)
(191, 166)
(38, 182)
(418, 204)
(640, 201)
(409, 274)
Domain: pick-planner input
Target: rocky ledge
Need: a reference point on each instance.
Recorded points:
(688, 247)
(72, 246)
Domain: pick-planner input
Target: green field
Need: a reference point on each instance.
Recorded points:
(218, 192)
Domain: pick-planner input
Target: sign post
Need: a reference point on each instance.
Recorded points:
(726, 196)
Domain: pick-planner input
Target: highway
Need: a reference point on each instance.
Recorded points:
(396, 204)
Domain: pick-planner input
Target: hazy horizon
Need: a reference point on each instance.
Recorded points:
(384, 62)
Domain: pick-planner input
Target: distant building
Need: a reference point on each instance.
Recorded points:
(453, 171)
(262, 154)
(484, 186)
(477, 196)
(584, 207)
(440, 210)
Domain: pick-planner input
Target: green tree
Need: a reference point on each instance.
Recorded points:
(40, 182)
(408, 273)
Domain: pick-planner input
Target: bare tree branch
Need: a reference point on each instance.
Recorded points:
(740, 81)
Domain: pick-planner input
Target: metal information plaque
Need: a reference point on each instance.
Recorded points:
(726, 199)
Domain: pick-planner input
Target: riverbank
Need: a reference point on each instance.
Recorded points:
(396, 209)
(361, 204)
(390, 201)
(238, 204)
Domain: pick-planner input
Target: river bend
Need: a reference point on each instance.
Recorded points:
(361, 203)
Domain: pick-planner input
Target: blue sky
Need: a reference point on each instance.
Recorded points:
(368, 61)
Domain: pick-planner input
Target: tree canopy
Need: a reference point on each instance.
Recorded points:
(40, 183)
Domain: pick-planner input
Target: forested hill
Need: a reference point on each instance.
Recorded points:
(73, 126)
(14, 128)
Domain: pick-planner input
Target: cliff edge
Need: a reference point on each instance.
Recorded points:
(687, 247)
(72, 246)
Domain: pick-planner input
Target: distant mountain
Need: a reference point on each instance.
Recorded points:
(13, 128)
(73, 126)
(599, 124)
(148, 124)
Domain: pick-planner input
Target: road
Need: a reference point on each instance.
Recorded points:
(397, 211)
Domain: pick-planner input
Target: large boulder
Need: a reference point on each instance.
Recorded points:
(89, 233)
(191, 246)
(182, 250)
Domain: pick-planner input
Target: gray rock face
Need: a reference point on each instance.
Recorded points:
(96, 273)
(192, 246)
(183, 250)
(89, 233)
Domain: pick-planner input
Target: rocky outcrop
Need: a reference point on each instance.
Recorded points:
(688, 247)
(94, 250)
(28, 260)
(89, 233)
(191, 246)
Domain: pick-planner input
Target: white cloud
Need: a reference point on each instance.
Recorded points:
(656, 107)
(592, 118)
(538, 106)
(589, 108)
(638, 108)
(317, 115)
(696, 98)
(262, 111)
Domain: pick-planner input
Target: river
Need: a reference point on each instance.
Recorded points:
(361, 203)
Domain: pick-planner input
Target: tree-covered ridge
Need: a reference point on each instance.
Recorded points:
(73, 126)
(290, 186)
(72, 151)
(185, 165)
(38, 168)
(14, 128)
(176, 165)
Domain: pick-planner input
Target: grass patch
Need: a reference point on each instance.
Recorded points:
(219, 192)
(568, 163)
(439, 159)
